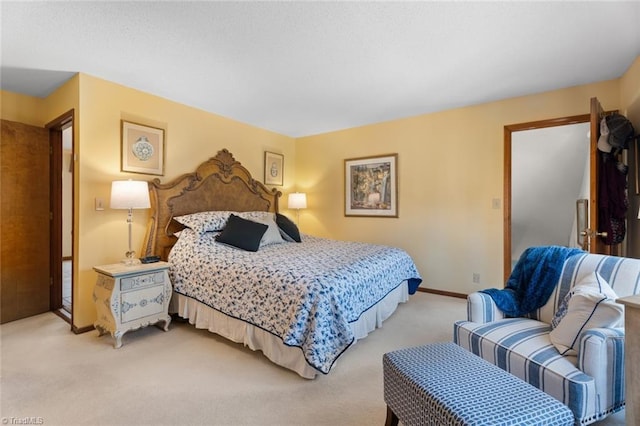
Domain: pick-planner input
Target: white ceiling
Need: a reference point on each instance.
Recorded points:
(303, 68)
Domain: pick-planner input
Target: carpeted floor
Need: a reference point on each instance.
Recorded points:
(192, 377)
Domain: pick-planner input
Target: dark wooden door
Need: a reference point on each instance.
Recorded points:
(596, 113)
(24, 221)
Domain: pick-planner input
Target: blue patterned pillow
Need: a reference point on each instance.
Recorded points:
(562, 310)
(255, 215)
(202, 222)
(214, 221)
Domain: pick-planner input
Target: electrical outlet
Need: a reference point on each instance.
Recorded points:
(476, 278)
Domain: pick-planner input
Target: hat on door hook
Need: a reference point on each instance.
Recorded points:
(620, 131)
(603, 141)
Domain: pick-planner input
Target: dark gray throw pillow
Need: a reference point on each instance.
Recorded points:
(242, 233)
(288, 228)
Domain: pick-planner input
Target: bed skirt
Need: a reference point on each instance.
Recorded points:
(257, 339)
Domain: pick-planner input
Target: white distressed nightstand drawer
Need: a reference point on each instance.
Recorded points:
(138, 304)
(139, 281)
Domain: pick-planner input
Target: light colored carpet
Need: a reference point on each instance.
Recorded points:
(192, 377)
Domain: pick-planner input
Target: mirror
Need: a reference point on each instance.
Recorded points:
(549, 171)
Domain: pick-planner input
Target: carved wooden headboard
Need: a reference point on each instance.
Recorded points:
(220, 183)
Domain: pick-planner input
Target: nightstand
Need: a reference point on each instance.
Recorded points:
(129, 297)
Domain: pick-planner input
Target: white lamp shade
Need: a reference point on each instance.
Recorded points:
(298, 200)
(130, 194)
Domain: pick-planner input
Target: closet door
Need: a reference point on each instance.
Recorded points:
(24, 221)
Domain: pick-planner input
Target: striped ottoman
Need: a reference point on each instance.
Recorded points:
(443, 384)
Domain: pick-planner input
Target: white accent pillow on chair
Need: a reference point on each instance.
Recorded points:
(590, 304)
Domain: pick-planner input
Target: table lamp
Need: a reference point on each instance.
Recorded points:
(297, 201)
(129, 195)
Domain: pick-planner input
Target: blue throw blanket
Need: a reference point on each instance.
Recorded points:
(532, 280)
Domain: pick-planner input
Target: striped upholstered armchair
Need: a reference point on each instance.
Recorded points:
(586, 372)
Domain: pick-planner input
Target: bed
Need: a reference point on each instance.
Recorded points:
(302, 304)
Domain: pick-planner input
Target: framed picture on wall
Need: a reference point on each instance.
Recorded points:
(371, 186)
(273, 168)
(142, 149)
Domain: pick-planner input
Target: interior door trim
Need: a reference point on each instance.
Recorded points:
(55, 128)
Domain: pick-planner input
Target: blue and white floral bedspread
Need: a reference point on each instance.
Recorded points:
(305, 293)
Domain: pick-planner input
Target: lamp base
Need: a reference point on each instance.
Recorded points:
(130, 260)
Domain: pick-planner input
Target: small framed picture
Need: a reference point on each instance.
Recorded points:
(142, 149)
(371, 186)
(273, 168)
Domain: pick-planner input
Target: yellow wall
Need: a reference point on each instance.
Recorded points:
(630, 107)
(192, 136)
(36, 111)
(21, 108)
(450, 169)
(630, 88)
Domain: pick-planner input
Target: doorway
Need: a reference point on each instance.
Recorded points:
(591, 235)
(549, 173)
(62, 177)
(67, 215)
(530, 150)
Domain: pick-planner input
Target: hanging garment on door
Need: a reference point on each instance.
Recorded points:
(612, 199)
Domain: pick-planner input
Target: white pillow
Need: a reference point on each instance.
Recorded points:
(590, 304)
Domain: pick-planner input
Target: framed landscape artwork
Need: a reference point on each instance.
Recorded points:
(142, 149)
(371, 186)
(273, 168)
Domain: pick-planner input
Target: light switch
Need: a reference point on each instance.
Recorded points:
(99, 204)
(495, 203)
